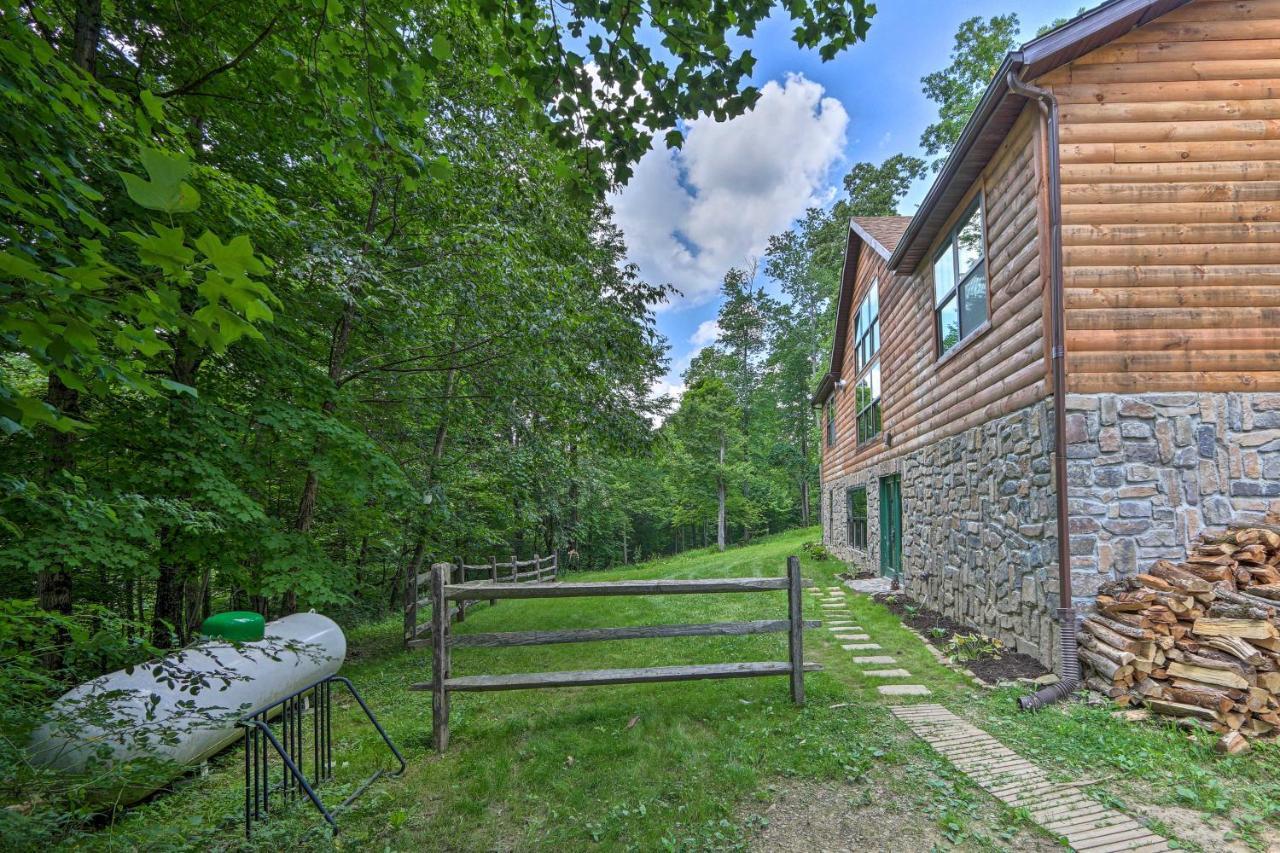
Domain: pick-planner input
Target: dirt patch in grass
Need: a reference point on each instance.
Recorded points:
(938, 630)
(810, 816)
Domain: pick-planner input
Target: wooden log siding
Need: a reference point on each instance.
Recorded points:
(996, 372)
(443, 682)
(1171, 203)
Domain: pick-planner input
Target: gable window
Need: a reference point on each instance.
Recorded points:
(857, 515)
(866, 356)
(960, 280)
(831, 423)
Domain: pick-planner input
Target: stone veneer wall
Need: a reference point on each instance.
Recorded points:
(978, 528)
(1148, 472)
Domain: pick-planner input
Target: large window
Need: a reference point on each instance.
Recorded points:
(866, 328)
(960, 280)
(866, 351)
(867, 399)
(857, 514)
(831, 422)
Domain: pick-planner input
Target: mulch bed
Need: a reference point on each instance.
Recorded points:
(1007, 667)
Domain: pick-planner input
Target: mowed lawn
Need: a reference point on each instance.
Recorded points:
(692, 765)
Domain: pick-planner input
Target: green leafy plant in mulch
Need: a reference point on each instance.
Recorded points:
(962, 648)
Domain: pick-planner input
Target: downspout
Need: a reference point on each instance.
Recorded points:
(1069, 669)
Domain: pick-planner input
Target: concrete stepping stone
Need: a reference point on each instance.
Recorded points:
(854, 637)
(887, 673)
(860, 647)
(875, 659)
(1062, 808)
(903, 690)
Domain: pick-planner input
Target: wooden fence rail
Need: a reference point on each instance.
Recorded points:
(416, 634)
(446, 596)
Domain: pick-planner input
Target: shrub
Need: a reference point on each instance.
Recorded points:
(816, 551)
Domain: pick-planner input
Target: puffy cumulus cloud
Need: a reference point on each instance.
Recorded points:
(692, 213)
(666, 388)
(707, 333)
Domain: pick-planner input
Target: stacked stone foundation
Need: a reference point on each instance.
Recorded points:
(1147, 473)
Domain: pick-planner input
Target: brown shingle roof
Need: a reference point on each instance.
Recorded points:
(882, 230)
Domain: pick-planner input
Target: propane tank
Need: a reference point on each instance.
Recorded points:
(272, 673)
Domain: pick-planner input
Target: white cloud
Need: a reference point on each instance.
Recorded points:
(664, 387)
(707, 333)
(690, 214)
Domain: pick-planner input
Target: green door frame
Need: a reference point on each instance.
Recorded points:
(891, 526)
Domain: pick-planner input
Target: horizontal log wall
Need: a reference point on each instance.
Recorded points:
(845, 454)
(1171, 203)
(996, 372)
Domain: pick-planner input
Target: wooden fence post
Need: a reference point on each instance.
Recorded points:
(493, 576)
(555, 566)
(461, 577)
(537, 567)
(410, 603)
(515, 569)
(439, 658)
(795, 635)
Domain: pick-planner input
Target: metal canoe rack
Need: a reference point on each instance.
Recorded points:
(313, 705)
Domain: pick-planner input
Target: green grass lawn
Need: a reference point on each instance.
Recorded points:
(692, 765)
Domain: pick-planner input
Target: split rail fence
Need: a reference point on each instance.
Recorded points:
(513, 571)
(444, 596)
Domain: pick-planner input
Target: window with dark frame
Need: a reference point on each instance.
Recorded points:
(960, 280)
(831, 423)
(857, 516)
(866, 391)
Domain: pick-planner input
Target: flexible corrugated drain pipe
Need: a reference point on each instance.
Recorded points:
(1069, 668)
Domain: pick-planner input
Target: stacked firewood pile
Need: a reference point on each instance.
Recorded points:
(1198, 640)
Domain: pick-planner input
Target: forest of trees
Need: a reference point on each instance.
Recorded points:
(300, 296)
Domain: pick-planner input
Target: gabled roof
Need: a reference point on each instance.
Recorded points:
(999, 108)
(881, 234)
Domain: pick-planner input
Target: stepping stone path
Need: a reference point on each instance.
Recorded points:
(840, 624)
(1062, 808)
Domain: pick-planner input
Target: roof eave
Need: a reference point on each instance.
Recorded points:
(995, 93)
(823, 391)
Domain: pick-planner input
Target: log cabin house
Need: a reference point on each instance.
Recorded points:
(1154, 223)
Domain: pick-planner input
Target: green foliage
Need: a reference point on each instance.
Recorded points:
(967, 647)
(299, 298)
(980, 47)
(816, 551)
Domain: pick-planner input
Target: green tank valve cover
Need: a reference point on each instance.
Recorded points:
(240, 626)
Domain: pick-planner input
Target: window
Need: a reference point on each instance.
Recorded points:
(866, 328)
(857, 500)
(831, 423)
(867, 400)
(960, 280)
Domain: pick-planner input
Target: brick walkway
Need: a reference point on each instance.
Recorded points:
(1062, 808)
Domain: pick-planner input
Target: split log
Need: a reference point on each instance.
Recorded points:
(1121, 628)
(1184, 581)
(1207, 675)
(1252, 629)
(1237, 648)
(1111, 638)
(1177, 709)
(1232, 743)
(1092, 643)
(1202, 695)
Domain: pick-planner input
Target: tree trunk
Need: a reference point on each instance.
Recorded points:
(339, 346)
(88, 27)
(804, 472)
(176, 600)
(720, 495)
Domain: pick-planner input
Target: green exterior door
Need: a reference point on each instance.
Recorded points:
(891, 526)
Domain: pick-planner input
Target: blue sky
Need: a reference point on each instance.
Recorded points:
(691, 214)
